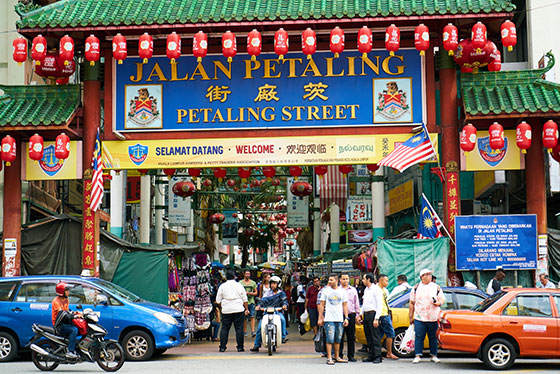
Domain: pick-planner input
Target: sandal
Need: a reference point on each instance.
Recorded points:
(341, 360)
(330, 362)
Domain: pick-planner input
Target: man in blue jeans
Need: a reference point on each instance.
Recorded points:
(334, 305)
(62, 323)
(277, 299)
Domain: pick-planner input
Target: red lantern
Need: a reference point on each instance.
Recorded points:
(523, 136)
(145, 47)
(217, 218)
(422, 38)
(269, 172)
(234, 215)
(62, 147)
(229, 45)
(295, 171)
(450, 38)
(219, 173)
(550, 135)
(53, 68)
(392, 39)
(372, 168)
(173, 47)
(365, 41)
(555, 153)
(337, 41)
(66, 49)
(39, 49)
(207, 183)
(496, 136)
(509, 35)
(496, 64)
(20, 50)
(290, 231)
(36, 147)
(92, 51)
(194, 172)
(231, 183)
(169, 172)
(308, 42)
(301, 188)
(321, 170)
(468, 138)
(200, 45)
(478, 36)
(275, 182)
(244, 173)
(8, 150)
(290, 243)
(143, 171)
(184, 189)
(119, 48)
(254, 44)
(465, 69)
(61, 81)
(345, 169)
(281, 43)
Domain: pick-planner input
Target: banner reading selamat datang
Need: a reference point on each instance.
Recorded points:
(237, 152)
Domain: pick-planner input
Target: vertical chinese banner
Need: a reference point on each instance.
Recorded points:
(452, 204)
(89, 252)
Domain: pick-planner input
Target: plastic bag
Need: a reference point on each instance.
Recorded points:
(407, 344)
(319, 340)
(307, 325)
(304, 317)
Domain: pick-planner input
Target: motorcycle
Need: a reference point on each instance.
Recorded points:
(49, 349)
(271, 329)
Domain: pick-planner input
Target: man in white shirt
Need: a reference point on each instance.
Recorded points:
(370, 314)
(545, 282)
(334, 304)
(403, 285)
(495, 284)
(232, 299)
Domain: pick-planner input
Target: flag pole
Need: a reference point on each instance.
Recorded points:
(433, 150)
(442, 224)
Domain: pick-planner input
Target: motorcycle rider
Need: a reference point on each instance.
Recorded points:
(63, 326)
(277, 299)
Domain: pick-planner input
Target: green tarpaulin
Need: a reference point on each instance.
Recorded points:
(409, 256)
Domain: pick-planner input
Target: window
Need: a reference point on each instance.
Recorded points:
(467, 300)
(557, 301)
(530, 306)
(83, 294)
(37, 293)
(7, 290)
(448, 300)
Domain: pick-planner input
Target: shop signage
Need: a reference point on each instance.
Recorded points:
(235, 152)
(297, 206)
(500, 241)
(485, 158)
(179, 208)
(88, 257)
(359, 237)
(230, 227)
(10, 252)
(50, 167)
(324, 91)
(401, 197)
(359, 209)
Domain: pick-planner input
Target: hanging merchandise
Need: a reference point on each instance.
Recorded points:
(194, 172)
(36, 147)
(550, 135)
(39, 49)
(337, 41)
(200, 45)
(496, 132)
(254, 44)
(92, 49)
(281, 43)
(509, 35)
(66, 49)
(229, 45)
(468, 138)
(450, 38)
(422, 38)
(145, 47)
(8, 150)
(62, 147)
(308, 42)
(20, 50)
(392, 39)
(119, 48)
(173, 47)
(478, 36)
(365, 41)
(523, 136)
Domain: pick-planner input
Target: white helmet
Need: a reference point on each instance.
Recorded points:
(276, 279)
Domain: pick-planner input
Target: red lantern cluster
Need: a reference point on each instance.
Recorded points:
(200, 45)
(254, 44)
(20, 50)
(467, 57)
(509, 35)
(145, 47)
(478, 36)
(36, 147)
(301, 188)
(496, 132)
(337, 41)
(66, 49)
(229, 45)
(8, 150)
(39, 49)
(422, 38)
(217, 218)
(308, 42)
(173, 47)
(53, 67)
(119, 48)
(62, 147)
(550, 135)
(392, 39)
(468, 138)
(450, 38)
(365, 40)
(281, 43)
(92, 49)
(184, 189)
(523, 136)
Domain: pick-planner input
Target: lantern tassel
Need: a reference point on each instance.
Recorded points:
(364, 55)
(422, 53)
(336, 55)
(91, 63)
(523, 151)
(8, 163)
(391, 53)
(549, 150)
(479, 50)
(199, 60)
(172, 60)
(253, 58)
(450, 52)
(229, 59)
(37, 62)
(120, 62)
(66, 63)
(309, 57)
(19, 63)
(145, 61)
(281, 57)
(510, 48)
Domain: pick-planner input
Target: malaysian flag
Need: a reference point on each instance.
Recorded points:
(414, 150)
(97, 180)
(430, 224)
(333, 189)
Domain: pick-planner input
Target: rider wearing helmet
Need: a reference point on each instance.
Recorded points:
(63, 322)
(277, 299)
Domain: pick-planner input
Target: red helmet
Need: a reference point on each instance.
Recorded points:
(60, 288)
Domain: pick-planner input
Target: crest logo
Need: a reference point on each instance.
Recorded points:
(491, 156)
(392, 103)
(49, 163)
(143, 110)
(138, 153)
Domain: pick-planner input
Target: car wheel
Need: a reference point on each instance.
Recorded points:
(498, 354)
(396, 348)
(8, 347)
(138, 346)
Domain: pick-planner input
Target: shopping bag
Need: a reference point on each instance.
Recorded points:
(307, 324)
(319, 340)
(407, 344)
(304, 317)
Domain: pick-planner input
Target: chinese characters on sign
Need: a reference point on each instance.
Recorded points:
(88, 258)
(359, 209)
(452, 187)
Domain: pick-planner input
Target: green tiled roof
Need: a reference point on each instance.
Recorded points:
(92, 13)
(510, 92)
(36, 105)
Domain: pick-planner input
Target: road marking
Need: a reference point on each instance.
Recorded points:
(240, 357)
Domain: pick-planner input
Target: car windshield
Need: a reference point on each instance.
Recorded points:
(397, 295)
(119, 291)
(487, 303)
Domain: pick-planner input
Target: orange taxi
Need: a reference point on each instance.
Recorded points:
(520, 322)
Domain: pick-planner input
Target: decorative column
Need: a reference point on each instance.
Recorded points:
(159, 201)
(378, 204)
(118, 197)
(92, 120)
(11, 236)
(335, 227)
(145, 200)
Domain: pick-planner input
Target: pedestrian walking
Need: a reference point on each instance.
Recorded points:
(334, 304)
(369, 316)
(402, 285)
(264, 287)
(495, 284)
(385, 321)
(232, 299)
(424, 309)
(353, 310)
(311, 303)
(251, 289)
(300, 301)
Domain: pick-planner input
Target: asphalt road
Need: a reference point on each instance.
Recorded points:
(297, 356)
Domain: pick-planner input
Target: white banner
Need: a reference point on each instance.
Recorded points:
(298, 207)
(179, 209)
(359, 209)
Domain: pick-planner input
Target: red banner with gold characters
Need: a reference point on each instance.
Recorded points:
(452, 192)
(88, 240)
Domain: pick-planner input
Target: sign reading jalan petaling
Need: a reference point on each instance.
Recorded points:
(324, 91)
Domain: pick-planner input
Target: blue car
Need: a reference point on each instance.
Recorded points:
(143, 328)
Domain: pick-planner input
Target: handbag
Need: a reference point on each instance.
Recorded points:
(407, 344)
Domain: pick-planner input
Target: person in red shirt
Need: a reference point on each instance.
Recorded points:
(311, 303)
(59, 304)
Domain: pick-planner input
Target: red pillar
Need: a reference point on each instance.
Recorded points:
(535, 173)
(11, 259)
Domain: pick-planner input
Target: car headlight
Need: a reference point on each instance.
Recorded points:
(167, 318)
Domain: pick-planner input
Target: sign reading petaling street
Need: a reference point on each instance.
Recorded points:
(324, 91)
